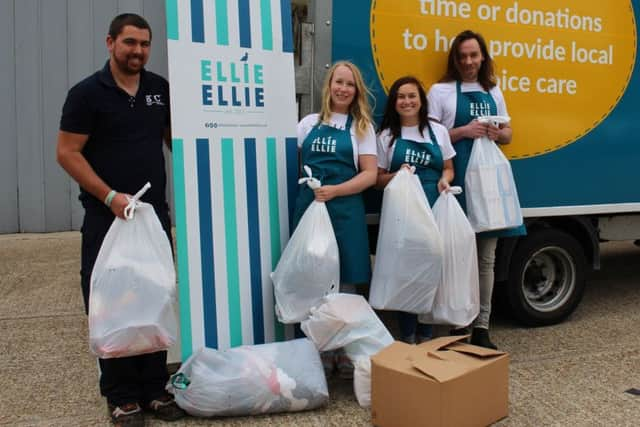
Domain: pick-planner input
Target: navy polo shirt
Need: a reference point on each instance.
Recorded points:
(125, 133)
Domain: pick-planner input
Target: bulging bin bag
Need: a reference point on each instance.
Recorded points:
(346, 321)
(491, 195)
(133, 288)
(457, 301)
(408, 264)
(248, 380)
(309, 267)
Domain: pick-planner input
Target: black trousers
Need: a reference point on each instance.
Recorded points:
(128, 379)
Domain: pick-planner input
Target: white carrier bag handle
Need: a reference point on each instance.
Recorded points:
(313, 183)
(455, 190)
(130, 209)
(495, 120)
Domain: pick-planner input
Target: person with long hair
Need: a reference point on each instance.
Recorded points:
(408, 138)
(339, 145)
(468, 90)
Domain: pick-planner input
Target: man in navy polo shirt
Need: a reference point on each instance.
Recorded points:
(110, 141)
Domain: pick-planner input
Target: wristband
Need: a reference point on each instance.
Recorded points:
(109, 198)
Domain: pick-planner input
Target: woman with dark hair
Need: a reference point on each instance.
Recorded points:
(407, 138)
(467, 91)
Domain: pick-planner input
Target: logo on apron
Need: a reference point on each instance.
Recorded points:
(479, 109)
(323, 145)
(419, 158)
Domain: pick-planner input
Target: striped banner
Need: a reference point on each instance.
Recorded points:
(235, 165)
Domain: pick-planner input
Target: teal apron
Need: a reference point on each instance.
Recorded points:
(329, 154)
(470, 105)
(427, 159)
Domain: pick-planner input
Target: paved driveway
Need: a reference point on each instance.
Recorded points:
(573, 374)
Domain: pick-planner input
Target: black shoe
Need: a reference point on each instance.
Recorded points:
(480, 337)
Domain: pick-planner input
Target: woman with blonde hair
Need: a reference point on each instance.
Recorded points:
(339, 145)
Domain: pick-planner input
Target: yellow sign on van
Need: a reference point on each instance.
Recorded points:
(563, 65)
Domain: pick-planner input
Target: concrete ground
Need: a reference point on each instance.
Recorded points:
(572, 374)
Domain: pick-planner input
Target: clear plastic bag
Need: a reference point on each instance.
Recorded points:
(362, 381)
(133, 288)
(408, 265)
(248, 380)
(346, 321)
(309, 267)
(457, 301)
(491, 195)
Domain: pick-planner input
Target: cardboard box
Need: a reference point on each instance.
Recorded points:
(442, 382)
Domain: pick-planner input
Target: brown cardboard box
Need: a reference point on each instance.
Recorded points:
(441, 382)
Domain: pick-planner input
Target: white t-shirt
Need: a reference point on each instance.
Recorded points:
(385, 154)
(442, 100)
(364, 145)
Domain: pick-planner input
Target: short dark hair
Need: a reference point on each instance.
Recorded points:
(120, 21)
(486, 76)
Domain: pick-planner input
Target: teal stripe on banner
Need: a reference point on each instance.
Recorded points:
(231, 236)
(274, 215)
(171, 7)
(183, 249)
(267, 26)
(222, 23)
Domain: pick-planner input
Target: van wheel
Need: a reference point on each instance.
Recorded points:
(546, 277)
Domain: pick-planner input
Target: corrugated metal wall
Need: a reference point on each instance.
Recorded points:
(46, 46)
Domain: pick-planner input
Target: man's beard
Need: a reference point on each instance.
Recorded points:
(123, 64)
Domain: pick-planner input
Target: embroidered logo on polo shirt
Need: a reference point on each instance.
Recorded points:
(154, 100)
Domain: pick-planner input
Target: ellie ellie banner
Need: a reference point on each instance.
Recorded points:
(233, 116)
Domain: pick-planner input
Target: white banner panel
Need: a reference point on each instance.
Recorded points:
(233, 115)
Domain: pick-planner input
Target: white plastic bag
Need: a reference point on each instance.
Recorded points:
(346, 321)
(247, 380)
(362, 381)
(309, 267)
(408, 264)
(491, 195)
(133, 287)
(457, 301)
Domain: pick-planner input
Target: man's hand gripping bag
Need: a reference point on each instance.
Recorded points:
(133, 287)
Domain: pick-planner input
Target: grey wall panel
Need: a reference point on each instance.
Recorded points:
(80, 36)
(103, 12)
(130, 6)
(54, 88)
(47, 46)
(28, 55)
(9, 158)
(154, 12)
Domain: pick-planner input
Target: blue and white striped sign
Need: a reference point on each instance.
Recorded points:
(235, 164)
